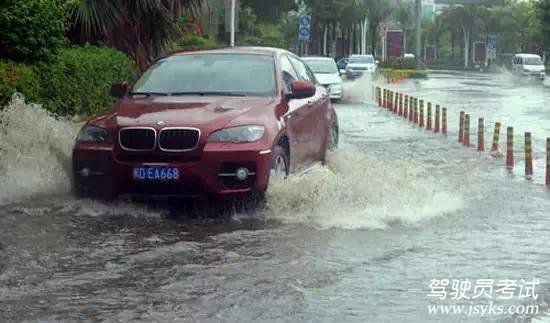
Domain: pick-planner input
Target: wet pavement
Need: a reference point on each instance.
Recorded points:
(356, 241)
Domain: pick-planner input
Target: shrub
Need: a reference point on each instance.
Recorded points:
(31, 29)
(78, 82)
(17, 78)
(192, 43)
(403, 74)
(401, 64)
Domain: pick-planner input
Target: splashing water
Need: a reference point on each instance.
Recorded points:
(35, 150)
(356, 191)
(360, 90)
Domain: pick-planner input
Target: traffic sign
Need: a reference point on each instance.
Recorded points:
(304, 30)
(305, 21)
(304, 33)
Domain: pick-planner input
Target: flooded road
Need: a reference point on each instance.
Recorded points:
(356, 241)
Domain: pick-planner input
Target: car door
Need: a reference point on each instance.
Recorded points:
(314, 112)
(295, 118)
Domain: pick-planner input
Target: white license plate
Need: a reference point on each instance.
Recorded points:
(156, 174)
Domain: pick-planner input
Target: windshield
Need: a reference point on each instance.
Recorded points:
(532, 61)
(322, 66)
(227, 74)
(361, 60)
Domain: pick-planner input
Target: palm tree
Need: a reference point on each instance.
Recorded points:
(140, 28)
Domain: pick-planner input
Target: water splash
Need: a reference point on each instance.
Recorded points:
(35, 150)
(356, 191)
(361, 89)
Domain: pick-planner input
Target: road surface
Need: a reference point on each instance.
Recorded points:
(359, 240)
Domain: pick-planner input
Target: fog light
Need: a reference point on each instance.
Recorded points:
(242, 173)
(85, 172)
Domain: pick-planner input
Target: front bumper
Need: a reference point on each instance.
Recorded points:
(354, 73)
(102, 172)
(538, 75)
(336, 91)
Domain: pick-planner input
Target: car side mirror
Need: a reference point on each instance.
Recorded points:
(119, 89)
(377, 62)
(301, 90)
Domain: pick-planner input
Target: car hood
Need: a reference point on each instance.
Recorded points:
(206, 113)
(534, 68)
(355, 65)
(328, 78)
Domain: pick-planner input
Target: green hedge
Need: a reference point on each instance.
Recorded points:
(32, 30)
(403, 74)
(402, 64)
(192, 43)
(20, 78)
(77, 82)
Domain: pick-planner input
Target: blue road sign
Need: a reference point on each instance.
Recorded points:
(304, 33)
(305, 21)
(304, 30)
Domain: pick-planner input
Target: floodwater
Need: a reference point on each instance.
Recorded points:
(356, 241)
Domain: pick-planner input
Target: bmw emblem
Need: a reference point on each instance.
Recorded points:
(161, 123)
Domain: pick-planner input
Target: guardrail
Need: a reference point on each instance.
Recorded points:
(412, 109)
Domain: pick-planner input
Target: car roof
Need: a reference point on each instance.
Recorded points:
(318, 58)
(271, 51)
(527, 55)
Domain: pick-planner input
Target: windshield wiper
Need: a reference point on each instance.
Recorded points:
(149, 93)
(206, 93)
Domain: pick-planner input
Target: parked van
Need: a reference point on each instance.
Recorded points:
(528, 65)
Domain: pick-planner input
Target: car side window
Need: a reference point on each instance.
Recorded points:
(302, 70)
(289, 74)
(311, 75)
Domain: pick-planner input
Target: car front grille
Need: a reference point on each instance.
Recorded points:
(179, 139)
(137, 139)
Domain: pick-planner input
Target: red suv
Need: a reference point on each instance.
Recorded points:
(207, 122)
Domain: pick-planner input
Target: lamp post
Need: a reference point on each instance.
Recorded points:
(232, 30)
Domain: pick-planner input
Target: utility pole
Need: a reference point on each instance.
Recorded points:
(233, 9)
(418, 32)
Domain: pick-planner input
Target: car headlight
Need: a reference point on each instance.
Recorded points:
(90, 133)
(238, 134)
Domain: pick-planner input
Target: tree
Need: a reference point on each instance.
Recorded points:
(543, 15)
(270, 11)
(378, 11)
(141, 28)
(32, 30)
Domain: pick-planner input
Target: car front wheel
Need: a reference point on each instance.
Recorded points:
(280, 165)
(333, 137)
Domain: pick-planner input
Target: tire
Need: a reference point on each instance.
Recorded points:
(280, 163)
(333, 138)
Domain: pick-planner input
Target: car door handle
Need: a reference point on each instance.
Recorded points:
(309, 104)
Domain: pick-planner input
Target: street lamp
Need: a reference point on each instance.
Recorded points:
(232, 29)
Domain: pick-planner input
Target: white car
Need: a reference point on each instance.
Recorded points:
(529, 65)
(326, 72)
(360, 64)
